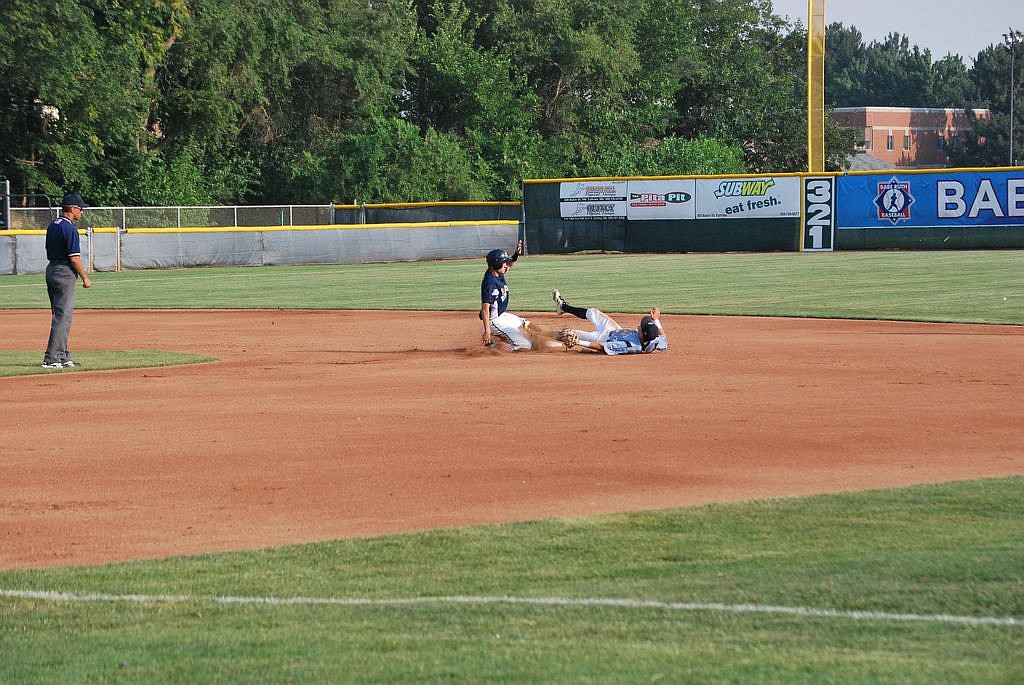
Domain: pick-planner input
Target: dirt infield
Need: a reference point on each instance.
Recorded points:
(324, 425)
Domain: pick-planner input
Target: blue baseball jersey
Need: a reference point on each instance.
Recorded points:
(627, 341)
(494, 291)
(62, 239)
(623, 341)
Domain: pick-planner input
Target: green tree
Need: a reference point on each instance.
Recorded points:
(261, 97)
(231, 101)
(80, 78)
(988, 144)
(605, 73)
(352, 63)
(216, 87)
(890, 73)
(470, 90)
(887, 74)
(747, 84)
(952, 83)
(844, 47)
(388, 159)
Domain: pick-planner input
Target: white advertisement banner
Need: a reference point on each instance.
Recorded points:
(662, 199)
(592, 200)
(745, 198)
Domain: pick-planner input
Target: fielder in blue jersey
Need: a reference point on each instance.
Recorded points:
(494, 298)
(609, 337)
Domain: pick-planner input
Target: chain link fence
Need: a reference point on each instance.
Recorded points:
(29, 218)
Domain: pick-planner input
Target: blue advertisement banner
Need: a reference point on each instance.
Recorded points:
(932, 200)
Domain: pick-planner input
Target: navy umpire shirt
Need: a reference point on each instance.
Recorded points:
(62, 239)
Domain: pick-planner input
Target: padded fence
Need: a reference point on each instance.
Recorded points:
(920, 209)
(938, 209)
(894, 209)
(112, 249)
(665, 214)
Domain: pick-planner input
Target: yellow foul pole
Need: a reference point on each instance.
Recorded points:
(815, 86)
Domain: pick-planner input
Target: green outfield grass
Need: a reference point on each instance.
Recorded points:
(958, 286)
(912, 575)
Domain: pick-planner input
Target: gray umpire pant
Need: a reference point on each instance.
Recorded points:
(60, 286)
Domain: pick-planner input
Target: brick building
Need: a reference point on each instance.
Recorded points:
(907, 137)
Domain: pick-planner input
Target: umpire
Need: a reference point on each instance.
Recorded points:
(65, 254)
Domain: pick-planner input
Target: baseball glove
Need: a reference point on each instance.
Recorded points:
(569, 338)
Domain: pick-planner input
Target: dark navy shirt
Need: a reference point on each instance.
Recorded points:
(494, 291)
(62, 239)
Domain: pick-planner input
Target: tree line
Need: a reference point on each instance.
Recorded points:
(192, 102)
(892, 73)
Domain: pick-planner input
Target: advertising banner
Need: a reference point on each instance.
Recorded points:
(661, 199)
(747, 198)
(934, 200)
(592, 200)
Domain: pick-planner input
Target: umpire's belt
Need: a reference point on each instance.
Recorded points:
(60, 261)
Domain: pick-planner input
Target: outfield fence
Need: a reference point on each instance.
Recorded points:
(116, 249)
(892, 209)
(132, 238)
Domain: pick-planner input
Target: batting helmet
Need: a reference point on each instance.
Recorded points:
(495, 258)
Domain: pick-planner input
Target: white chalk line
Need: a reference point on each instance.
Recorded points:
(805, 612)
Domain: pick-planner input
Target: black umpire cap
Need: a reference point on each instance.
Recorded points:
(73, 200)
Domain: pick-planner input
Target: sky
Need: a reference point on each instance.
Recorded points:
(964, 28)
